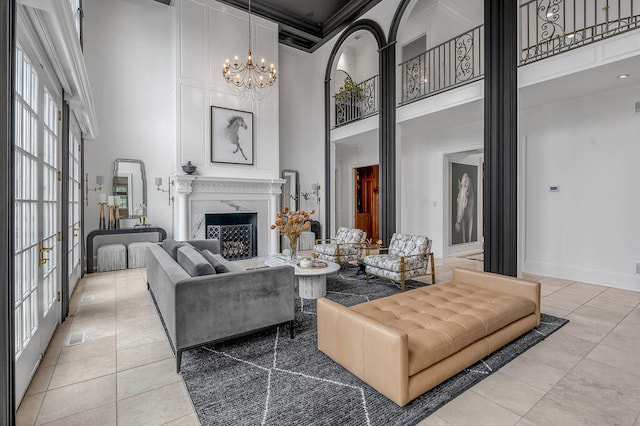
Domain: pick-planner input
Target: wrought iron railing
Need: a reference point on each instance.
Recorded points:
(357, 103)
(549, 27)
(453, 63)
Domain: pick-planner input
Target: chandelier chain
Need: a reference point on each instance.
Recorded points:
(251, 79)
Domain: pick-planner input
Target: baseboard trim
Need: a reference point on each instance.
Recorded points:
(585, 275)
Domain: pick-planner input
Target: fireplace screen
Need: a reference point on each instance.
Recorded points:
(236, 241)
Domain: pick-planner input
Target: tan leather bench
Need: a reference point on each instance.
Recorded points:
(405, 344)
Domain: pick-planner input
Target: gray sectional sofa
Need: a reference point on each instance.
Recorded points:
(215, 307)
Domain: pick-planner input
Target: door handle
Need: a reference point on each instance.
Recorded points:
(43, 250)
(75, 234)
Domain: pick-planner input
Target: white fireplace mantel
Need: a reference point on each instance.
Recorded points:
(196, 196)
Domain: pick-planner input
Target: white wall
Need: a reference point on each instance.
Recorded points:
(439, 20)
(207, 34)
(301, 120)
(587, 231)
(424, 201)
(128, 48)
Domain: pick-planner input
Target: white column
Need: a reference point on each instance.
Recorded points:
(183, 189)
(275, 192)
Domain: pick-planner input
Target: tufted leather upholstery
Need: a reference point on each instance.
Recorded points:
(405, 344)
(343, 248)
(440, 320)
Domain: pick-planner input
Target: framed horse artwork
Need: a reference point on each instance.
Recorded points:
(231, 136)
(464, 217)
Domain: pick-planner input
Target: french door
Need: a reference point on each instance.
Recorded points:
(37, 207)
(73, 245)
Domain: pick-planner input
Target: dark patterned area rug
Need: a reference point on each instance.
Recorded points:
(268, 378)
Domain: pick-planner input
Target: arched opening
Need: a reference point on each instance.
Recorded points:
(355, 143)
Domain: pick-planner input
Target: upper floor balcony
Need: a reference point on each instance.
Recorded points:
(546, 28)
(355, 101)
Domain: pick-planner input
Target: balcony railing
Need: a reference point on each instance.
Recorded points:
(549, 27)
(451, 64)
(357, 103)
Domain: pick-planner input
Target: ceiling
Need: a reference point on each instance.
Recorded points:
(305, 24)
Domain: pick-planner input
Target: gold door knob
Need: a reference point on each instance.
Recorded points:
(43, 250)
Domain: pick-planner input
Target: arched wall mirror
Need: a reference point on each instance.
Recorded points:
(130, 187)
(291, 189)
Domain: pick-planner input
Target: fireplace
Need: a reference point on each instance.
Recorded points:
(197, 196)
(237, 233)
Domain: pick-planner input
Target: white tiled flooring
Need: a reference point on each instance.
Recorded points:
(586, 373)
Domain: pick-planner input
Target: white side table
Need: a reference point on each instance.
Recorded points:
(312, 282)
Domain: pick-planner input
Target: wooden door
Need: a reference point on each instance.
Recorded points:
(367, 216)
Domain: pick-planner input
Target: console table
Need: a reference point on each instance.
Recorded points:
(162, 235)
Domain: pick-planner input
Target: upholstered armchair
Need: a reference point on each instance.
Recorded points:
(343, 248)
(407, 256)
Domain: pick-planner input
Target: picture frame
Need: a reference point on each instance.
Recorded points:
(231, 136)
(464, 203)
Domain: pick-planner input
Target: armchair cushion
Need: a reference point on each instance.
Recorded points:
(350, 235)
(406, 245)
(330, 249)
(391, 262)
(416, 252)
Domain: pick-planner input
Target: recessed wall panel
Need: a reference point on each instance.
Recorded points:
(192, 139)
(192, 37)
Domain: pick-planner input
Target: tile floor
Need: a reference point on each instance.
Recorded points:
(586, 373)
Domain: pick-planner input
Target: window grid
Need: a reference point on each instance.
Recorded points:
(50, 198)
(74, 202)
(26, 202)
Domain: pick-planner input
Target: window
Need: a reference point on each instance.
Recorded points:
(26, 201)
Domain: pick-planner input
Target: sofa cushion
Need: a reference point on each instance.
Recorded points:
(221, 264)
(213, 245)
(193, 262)
(172, 246)
(441, 319)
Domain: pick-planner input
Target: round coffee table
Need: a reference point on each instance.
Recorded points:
(312, 282)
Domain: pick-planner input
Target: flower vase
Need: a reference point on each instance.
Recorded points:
(293, 246)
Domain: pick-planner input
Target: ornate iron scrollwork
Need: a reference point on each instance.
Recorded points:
(464, 57)
(413, 78)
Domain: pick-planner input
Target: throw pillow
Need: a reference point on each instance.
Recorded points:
(193, 262)
(217, 261)
(172, 246)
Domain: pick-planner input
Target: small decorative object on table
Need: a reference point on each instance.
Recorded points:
(102, 203)
(306, 262)
(292, 224)
(189, 168)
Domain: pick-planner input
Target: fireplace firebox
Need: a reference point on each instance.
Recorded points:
(237, 233)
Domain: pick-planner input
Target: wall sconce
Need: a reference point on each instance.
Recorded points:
(316, 190)
(99, 182)
(168, 190)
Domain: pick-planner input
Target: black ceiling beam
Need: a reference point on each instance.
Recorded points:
(346, 15)
(294, 40)
(273, 14)
(302, 33)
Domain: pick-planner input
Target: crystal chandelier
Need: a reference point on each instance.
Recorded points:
(249, 80)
